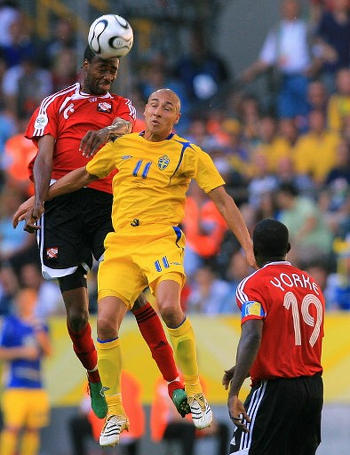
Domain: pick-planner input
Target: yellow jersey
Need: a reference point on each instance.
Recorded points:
(153, 177)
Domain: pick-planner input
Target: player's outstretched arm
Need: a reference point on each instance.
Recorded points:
(233, 217)
(93, 140)
(247, 350)
(70, 182)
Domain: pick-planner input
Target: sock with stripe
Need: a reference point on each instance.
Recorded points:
(85, 350)
(153, 333)
(8, 442)
(110, 367)
(184, 344)
(30, 443)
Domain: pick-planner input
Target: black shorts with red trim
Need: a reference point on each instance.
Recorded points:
(285, 418)
(73, 229)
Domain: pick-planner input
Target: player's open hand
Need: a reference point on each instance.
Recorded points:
(31, 218)
(22, 210)
(93, 141)
(228, 375)
(238, 413)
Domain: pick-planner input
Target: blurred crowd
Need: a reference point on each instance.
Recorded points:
(283, 150)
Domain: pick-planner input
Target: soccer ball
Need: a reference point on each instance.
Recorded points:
(110, 36)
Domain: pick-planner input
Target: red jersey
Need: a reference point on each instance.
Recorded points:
(67, 116)
(292, 307)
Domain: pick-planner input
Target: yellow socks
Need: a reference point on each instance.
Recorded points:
(30, 443)
(8, 442)
(184, 344)
(110, 368)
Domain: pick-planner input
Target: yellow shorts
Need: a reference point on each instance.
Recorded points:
(137, 257)
(25, 408)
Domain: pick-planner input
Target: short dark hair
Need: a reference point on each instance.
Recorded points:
(270, 240)
(89, 54)
(288, 188)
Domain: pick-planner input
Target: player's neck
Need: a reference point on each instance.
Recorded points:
(155, 137)
(263, 262)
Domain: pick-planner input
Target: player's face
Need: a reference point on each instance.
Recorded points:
(161, 114)
(100, 75)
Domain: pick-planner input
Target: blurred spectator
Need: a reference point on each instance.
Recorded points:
(167, 426)
(209, 294)
(49, 299)
(12, 241)
(341, 280)
(204, 228)
(237, 270)
(333, 40)
(341, 170)
(24, 86)
(64, 38)
(317, 98)
(286, 52)
(202, 72)
(339, 102)
(286, 173)
(315, 151)
(288, 133)
(156, 75)
(309, 234)
(8, 288)
(268, 206)
(7, 129)
(319, 271)
(24, 342)
(63, 69)
(262, 182)
(248, 112)
(9, 13)
(21, 44)
(18, 153)
(272, 146)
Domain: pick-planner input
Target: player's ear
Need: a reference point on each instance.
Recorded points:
(288, 248)
(177, 118)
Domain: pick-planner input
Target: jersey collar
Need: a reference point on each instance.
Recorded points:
(142, 133)
(277, 263)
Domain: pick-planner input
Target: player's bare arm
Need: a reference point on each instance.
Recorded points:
(42, 171)
(233, 217)
(93, 140)
(247, 350)
(70, 182)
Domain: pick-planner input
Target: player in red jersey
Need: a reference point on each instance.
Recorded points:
(68, 127)
(280, 349)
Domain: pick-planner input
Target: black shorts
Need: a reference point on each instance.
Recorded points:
(73, 229)
(285, 418)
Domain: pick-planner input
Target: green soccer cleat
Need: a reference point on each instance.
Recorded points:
(179, 398)
(98, 400)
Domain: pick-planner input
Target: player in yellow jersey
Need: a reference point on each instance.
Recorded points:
(147, 246)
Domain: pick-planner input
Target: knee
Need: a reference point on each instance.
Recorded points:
(171, 313)
(106, 328)
(77, 320)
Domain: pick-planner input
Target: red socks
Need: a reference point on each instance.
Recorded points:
(85, 350)
(152, 331)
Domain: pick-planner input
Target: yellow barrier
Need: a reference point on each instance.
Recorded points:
(217, 339)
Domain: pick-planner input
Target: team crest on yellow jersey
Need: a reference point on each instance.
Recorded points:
(163, 162)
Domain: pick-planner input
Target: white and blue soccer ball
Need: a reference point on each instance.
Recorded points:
(110, 36)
